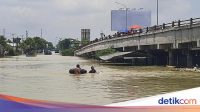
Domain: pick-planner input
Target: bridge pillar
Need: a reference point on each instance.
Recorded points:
(175, 45)
(121, 49)
(139, 47)
(189, 60)
(158, 46)
(171, 58)
(130, 48)
(93, 54)
(198, 43)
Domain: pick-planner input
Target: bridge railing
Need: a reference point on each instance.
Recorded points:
(178, 23)
(152, 29)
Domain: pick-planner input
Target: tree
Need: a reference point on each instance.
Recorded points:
(3, 41)
(29, 43)
(40, 43)
(84, 42)
(50, 45)
(9, 41)
(36, 43)
(6, 47)
(68, 46)
(64, 44)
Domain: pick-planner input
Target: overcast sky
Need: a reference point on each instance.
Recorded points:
(65, 18)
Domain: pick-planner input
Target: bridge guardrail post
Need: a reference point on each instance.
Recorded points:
(173, 23)
(179, 23)
(147, 29)
(191, 21)
(154, 28)
(163, 26)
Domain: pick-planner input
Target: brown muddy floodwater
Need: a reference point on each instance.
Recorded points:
(47, 78)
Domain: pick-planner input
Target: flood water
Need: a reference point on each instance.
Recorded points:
(47, 78)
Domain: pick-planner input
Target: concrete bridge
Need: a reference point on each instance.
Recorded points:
(175, 44)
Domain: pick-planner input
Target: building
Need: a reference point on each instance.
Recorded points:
(85, 36)
(122, 19)
(74, 43)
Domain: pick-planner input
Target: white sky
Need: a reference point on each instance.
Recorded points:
(65, 18)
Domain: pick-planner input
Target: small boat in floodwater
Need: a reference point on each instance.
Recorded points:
(83, 71)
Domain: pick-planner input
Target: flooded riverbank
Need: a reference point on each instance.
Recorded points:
(46, 77)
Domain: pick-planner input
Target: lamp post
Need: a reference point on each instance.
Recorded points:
(126, 8)
(157, 12)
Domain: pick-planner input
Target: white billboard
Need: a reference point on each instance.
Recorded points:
(123, 19)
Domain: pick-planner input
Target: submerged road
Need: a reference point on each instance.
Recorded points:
(46, 78)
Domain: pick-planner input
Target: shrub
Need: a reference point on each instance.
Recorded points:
(68, 52)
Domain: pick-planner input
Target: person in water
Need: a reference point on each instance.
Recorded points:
(92, 70)
(77, 70)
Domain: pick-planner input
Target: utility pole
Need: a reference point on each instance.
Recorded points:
(13, 36)
(41, 33)
(26, 34)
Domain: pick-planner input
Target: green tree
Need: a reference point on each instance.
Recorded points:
(6, 47)
(64, 44)
(40, 43)
(84, 42)
(68, 46)
(29, 43)
(68, 52)
(9, 41)
(50, 45)
(3, 41)
(36, 43)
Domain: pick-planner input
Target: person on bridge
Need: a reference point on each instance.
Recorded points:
(92, 70)
(77, 70)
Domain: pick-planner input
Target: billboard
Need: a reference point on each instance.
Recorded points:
(123, 19)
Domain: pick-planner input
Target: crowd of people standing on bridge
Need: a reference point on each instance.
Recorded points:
(117, 35)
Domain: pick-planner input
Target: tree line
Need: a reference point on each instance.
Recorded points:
(36, 43)
(68, 46)
(19, 46)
